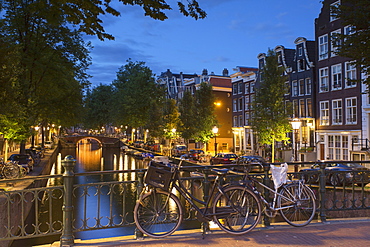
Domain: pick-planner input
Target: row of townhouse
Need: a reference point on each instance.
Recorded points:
(333, 110)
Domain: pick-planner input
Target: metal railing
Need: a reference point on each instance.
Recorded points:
(73, 203)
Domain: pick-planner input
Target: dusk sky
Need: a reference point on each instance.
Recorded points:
(233, 34)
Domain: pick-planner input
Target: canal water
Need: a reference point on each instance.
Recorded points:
(89, 157)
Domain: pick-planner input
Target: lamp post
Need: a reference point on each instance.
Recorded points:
(215, 131)
(296, 124)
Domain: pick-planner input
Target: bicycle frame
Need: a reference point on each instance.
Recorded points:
(192, 199)
(275, 192)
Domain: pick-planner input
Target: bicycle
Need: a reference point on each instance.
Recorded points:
(9, 170)
(294, 200)
(158, 212)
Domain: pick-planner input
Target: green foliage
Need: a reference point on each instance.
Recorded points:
(99, 107)
(355, 13)
(135, 90)
(188, 113)
(205, 118)
(271, 116)
(171, 119)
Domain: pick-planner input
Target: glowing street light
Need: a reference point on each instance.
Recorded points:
(215, 131)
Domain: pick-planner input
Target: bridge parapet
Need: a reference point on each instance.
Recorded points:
(104, 141)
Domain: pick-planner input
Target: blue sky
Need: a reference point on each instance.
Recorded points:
(233, 34)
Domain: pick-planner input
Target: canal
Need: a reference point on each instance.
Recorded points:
(89, 157)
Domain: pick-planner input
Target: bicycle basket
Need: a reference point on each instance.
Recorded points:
(158, 175)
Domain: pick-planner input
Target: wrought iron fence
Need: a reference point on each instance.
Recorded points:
(71, 203)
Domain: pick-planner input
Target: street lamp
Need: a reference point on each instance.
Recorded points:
(215, 131)
(296, 124)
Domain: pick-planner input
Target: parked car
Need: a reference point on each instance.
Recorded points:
(253, 163)
(195, 155)
(339, 174)
(178, 150)
(48, 145)
(223, 158)
(24, 160)
(138, 144)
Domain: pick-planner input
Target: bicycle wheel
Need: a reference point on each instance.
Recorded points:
(298, 203)
(158, 214)
(11, 171)
(237, 210)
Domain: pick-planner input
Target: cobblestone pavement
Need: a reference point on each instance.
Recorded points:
(333, 233)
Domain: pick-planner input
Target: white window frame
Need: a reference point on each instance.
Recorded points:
(301, 87)
(332, 17)
(324, 113)
(351, 110)
(351, 74)
(324, 80)
(294, 88)
(337, 112)
(334, 49)
(323, 47)
(235, 105)
(308, 84)
(336, 76)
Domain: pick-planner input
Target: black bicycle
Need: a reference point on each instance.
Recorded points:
(158, 212)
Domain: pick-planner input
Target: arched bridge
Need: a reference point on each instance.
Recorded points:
(104, 141)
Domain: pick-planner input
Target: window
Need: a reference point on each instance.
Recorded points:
(235, 106)
(337, 112)
(295, 108)
(324, 113)
(338, 147)
(324, 80)
(348, 30)
(252, 87)
(301, 87)
(295, 89)
(287, 88)
(335, 42)
(247, 118)
(350, 74)
(309, 107)
(308, 86)
(351, 110)
(235, 88)
(240, 85)
(240, 105)
(241, 123)
(336, 76)
(247, 88)
(323, 47)
(334, 5)
(300, 51)
(301, 65)
(247, 102)
(302, 108)
(235, 121)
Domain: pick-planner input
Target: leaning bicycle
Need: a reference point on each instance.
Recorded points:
(294, 200)
(158, 212)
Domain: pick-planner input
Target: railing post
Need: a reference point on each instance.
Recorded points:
(206, 183)
(322, 186)
(67, 238)
(140, 186)
(266, 181)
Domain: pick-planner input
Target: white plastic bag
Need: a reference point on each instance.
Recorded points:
(279, 174)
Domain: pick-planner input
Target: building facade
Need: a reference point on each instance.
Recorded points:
(339, 98)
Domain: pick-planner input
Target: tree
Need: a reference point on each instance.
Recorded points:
(99, 107)
(135, 90)
(205, 118)
(271, 116)
(188, 113)
(356, 43)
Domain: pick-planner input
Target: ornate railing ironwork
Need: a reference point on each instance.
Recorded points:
(73, 203)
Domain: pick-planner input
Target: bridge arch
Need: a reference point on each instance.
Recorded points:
(104, 141)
